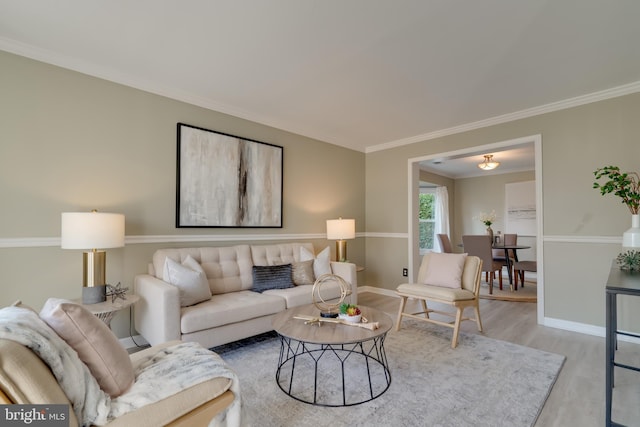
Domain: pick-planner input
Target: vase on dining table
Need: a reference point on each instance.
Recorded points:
(490, 233)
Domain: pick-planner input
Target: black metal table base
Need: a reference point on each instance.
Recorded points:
(322, 357)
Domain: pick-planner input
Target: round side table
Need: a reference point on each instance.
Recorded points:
(106, 310)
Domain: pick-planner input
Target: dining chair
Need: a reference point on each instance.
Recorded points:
(435, 284)
(480, 246)
(498, 254)
(445, 243)
(519, 268)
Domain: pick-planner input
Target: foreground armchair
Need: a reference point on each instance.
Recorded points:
(451, 279)
(168, 384)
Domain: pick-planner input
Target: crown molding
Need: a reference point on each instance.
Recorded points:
(517, 115)
(115, 76)
(110, 74)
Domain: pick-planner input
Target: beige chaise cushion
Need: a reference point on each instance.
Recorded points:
(166, 410)
(94, 342)
(39, 386)
(24, 378)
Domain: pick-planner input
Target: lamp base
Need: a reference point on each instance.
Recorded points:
(94, 294)
(341, 250)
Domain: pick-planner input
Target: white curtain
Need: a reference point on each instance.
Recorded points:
(442, 215)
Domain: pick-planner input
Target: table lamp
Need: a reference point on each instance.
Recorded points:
(341, 230)
(92, 231)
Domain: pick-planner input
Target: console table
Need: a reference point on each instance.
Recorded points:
(619, 283)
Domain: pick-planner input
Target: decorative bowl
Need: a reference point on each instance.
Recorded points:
(351, 319)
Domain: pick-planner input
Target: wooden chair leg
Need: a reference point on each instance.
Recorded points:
(425, 309)
(500, 279)
(490, 286)
(456, 327)
(403, 301)
(515, 279)
(476, 308)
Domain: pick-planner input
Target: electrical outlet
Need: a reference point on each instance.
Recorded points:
(405, 272)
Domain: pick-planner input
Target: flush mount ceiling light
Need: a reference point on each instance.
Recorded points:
(488, 163)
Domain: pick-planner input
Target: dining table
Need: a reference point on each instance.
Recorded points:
(506, 249)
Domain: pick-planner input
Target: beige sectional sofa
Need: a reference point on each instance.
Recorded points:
(234, 311)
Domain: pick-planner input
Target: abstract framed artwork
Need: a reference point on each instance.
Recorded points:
(227, 181)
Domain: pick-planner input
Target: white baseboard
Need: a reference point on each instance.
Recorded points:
(583, 328)
(379, 291)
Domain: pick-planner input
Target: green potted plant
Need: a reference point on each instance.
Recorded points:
(625, 185)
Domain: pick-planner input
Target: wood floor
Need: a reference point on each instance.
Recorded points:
(578, 396)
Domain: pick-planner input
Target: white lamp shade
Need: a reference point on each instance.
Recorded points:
(341, 229)
(92, 230)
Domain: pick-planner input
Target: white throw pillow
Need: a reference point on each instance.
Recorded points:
(445, 270)
(190, 278)
(321, 262)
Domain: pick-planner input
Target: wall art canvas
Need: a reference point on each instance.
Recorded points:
(227, 181)
(520, 203)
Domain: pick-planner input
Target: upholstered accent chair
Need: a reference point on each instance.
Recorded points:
(445, 243)
(519, 268)
(480, 246)
(444, 279)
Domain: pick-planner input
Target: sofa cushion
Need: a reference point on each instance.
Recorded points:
(267, 277)
(321, 262)
(228, 269)
(94, 342)
(301, 295)
(189, 278)
(302, 272)
(229, 308)
(278, 254)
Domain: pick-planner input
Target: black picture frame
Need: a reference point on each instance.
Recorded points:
(227, 181)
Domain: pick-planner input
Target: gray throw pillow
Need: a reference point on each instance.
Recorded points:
(271, 277)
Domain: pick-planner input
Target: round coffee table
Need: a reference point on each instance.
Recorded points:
(331, 364)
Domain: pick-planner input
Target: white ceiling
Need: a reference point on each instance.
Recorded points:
(364, 74)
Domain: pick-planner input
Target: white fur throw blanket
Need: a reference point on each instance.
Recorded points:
(170, 371)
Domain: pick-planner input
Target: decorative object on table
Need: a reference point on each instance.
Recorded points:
(314, 320)
(327, 309)
(350, 313)
(92, 231)
(625, 185)
(629, 260)
(488, 163)
(116, 292)
(227, 181)
(487, 219)
(341, 230)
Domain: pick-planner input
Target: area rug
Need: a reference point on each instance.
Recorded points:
(482, 382)
(527, 294)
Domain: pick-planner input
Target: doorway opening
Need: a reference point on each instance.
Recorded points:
(414, 256)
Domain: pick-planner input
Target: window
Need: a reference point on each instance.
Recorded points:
(427, 219)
